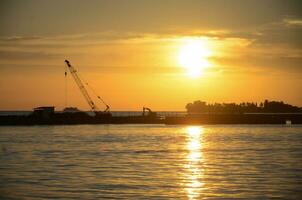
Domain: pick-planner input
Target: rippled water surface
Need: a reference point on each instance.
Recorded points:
(150, 162)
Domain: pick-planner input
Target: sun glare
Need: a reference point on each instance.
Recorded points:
(193, 56)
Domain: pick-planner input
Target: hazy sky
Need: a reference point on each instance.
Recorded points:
(128, 51)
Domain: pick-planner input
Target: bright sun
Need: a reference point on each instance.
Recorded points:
(193, 56)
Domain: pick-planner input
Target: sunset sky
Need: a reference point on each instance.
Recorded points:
(161, 53)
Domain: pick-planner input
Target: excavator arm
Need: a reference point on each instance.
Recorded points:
(148, 110)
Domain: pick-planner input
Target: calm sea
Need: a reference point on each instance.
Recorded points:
(151, 162)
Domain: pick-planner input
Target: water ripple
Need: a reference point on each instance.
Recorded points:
(150, 162)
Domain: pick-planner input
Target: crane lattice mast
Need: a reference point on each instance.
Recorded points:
(83, 90)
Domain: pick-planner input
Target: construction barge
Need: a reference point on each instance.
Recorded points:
(48, 116)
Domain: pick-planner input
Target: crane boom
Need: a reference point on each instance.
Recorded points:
(83, 90)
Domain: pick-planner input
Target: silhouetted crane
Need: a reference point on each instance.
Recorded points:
(83, 90)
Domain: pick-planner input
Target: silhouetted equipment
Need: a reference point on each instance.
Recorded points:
(83, 90)
(148, 112)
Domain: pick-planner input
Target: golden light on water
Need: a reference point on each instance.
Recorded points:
(194, 56)
(194, 131)
(194, 159)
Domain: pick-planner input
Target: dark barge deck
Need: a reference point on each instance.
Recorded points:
(200, 119)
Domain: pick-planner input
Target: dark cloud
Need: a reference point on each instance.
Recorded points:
(26, 55)
(55, 17)
(280, 34)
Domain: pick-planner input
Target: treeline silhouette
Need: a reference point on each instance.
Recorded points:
(245, 107)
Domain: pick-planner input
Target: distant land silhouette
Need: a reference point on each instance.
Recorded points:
(245, 107)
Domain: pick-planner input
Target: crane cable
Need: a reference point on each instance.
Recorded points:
(65, 86)
(94, 92)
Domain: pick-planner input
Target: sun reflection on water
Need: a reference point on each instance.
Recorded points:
(194, 175)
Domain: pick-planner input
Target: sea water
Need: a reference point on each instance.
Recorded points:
(151, 162)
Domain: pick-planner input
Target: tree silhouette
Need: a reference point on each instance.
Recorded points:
(244, 107)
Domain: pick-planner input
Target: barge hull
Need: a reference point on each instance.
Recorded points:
(80, 118)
